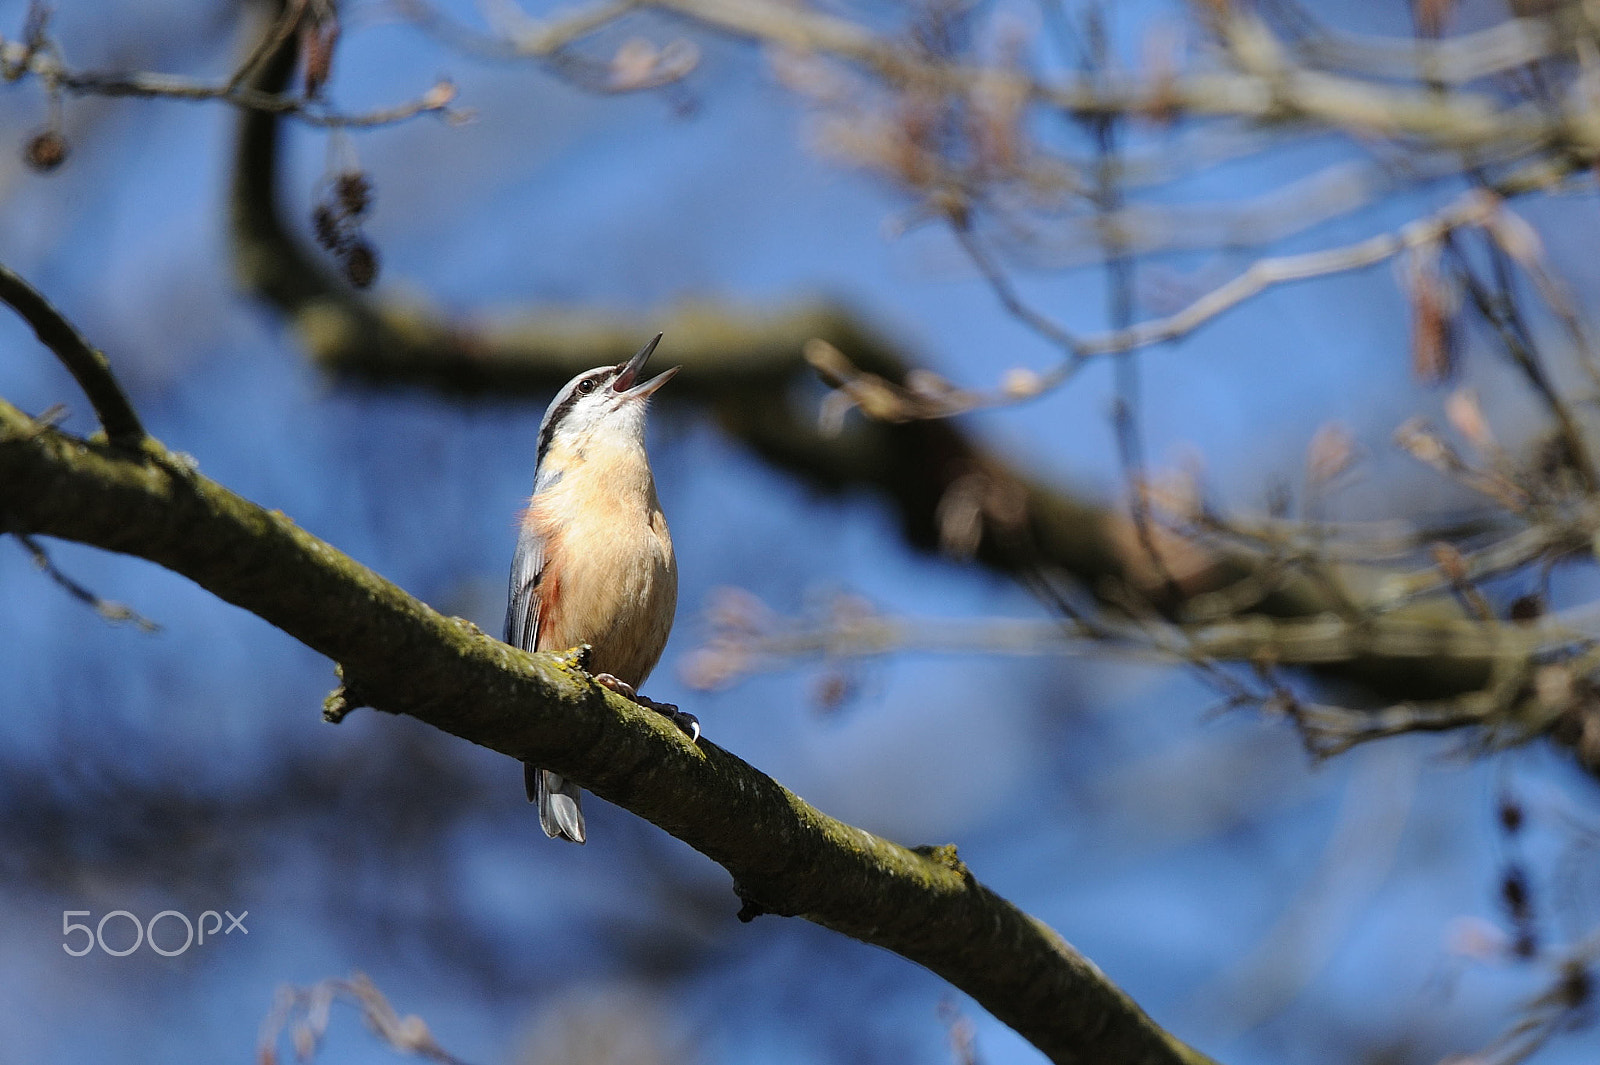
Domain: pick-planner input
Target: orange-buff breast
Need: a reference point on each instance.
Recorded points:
(609, 578)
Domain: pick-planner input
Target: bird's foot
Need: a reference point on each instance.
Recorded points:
(688, 723)
(621, 687)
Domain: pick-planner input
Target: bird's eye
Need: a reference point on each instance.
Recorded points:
(586, 385)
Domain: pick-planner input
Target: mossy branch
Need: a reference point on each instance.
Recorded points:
(402, 657)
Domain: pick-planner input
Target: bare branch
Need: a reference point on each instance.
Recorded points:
(859, 633)
(896, 403)
(112, 612)
(1268, 92)
(1566, 1006)
(18, 59)
(305, 1012)
(88, 365)
(636, 66)
(1458, 60)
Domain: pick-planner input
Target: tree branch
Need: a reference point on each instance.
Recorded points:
(87, 364)
(398, 655)
(40, 59)
(1265, 88)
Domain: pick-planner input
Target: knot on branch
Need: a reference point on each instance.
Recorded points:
(749, 908)
(343, 699)
(945, 854)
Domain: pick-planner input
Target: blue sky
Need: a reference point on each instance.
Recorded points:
(1165, 844)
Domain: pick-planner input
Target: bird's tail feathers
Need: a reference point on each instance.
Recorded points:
(560, 808)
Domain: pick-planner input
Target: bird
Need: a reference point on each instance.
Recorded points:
(594, 562)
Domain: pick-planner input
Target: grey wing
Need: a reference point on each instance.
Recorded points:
(559, 811)
(522, 605)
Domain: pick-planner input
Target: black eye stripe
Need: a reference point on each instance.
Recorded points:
(570, 400)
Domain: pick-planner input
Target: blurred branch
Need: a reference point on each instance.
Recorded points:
(956, 132)
(1262, 87)
(1458, 60)
(398, 655)
(636, 66)
(1541, 681)
(1567, 1006)
(310, 110)
(881, 398)
(1150, 229)
(747, 370)
(984, 156)
(305, 1012)
(37, 56)
(855, 633)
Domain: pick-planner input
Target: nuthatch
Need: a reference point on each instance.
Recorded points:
(594, 559)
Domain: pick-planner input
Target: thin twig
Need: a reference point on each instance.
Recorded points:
(305, 1014)
(1460, 119)
(1006, 292)
(87, 364)
(1263, 274)
(49, 69)
(1498, 308)
(517, 35)
(113, 612)
(1457, 60)
(896, 403)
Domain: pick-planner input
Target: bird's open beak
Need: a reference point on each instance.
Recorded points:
(628, 376)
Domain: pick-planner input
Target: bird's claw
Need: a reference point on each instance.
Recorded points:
(688, 723)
